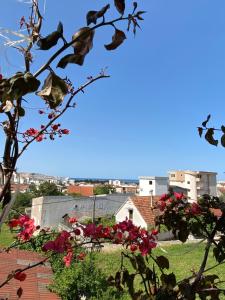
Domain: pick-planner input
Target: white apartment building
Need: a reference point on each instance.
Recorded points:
(152, 185)
(197, 183)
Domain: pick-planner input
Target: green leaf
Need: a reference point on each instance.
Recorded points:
(71, 59)
(125, 276)
(206, 121)
(169, 280)
(52, 39)
(22, 84)
(83, 43)
(117, 39)
(162, 262)
(200, 131)
(211, 278)
(139, 15)
(93, 15)
(183, 235)
(19, 292)
(209, 137)
(223, 140)
(141, 263)
(120, 6)
(53, 90)
(21, 111)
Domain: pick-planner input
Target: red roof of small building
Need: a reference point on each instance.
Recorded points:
(34, 286)
(146, 207)
(217, 212)
(83, 190)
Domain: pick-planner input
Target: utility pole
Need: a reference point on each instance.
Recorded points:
(93, 213)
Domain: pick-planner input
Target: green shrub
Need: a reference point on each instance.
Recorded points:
(82, 278)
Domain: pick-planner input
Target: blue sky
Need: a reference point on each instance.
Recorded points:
(141, 121)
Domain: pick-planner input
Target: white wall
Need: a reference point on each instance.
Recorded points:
(123, 212)
(36, 211)
(157, 187)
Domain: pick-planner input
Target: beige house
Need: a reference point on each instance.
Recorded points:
(197, 183)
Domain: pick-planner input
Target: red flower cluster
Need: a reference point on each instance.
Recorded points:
(177, 201)
(32, 132)
(168, 200)
(68, 258)
(195, 209)
(26, 225)
(125, 233)
(60, 244)
(56, 130)
(72, 220)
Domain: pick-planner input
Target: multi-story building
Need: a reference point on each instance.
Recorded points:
(152, 185)
(197, 183)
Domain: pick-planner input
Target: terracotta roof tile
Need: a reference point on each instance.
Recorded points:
(146, 207)
(83, 190)
(35, 285)
(217, 212)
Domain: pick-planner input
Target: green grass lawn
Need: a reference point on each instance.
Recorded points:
(6, 237)
(183, 259)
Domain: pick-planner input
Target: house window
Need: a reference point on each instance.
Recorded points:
(130, 211)
(172, 175)
(150, 182)
(199, 176)
(188, 182)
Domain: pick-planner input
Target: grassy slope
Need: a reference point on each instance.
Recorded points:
(6, 237)
(183, 259)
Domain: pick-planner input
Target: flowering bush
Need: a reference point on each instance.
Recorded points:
(178, 215)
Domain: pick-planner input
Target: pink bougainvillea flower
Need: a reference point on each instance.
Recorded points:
(179, 196)
(60, 244)
(14, 223)
(77, 231)
(68, 259)
(146, 245)
(40, 138)
(20, 276)
(162, 205)
(65, 131)
(81, 256)
(195, 209)
(155, 232)
(31, 132)
(133, 247)
(55, 127)
(72, 220)
(164, 197)
(26, 225)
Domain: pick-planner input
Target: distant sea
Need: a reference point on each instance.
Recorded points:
(106, 179)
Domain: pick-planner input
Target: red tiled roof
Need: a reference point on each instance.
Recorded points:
(143, 204)
(34, 286)
(217, 212)
(83, 190)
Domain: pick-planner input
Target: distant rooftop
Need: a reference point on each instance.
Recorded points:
(193, 172)
(153, 177)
